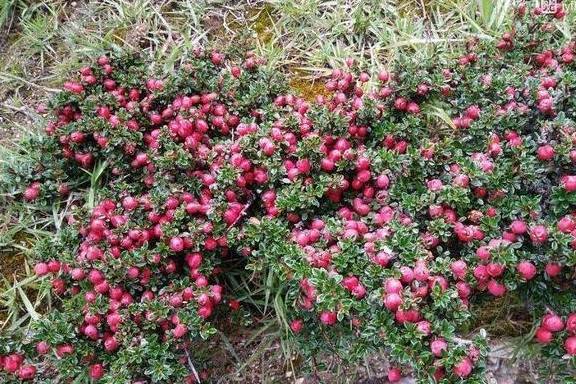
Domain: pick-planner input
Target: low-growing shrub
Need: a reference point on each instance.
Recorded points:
(380, 212)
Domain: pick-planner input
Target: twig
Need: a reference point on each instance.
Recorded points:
(29, 83)
(191, 365)
(246, 206)
(24, 110)
(462, 341)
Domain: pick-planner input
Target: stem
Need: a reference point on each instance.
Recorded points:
(191, 365)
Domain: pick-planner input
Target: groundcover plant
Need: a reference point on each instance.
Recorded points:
(378, 213)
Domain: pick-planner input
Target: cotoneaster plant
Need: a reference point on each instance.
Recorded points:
(381, 212)
(137, 273)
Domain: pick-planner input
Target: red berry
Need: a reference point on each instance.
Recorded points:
(96, 371)
(538, 234)
(32, 192)
(545, 152)
(553, 322)
(571, 323)
(296, 325)
(527, 270)
(392, 301)
(570, 345)
(394, 375)
(42, 347)
(518, 227)
(438, 346)
(41, 269)
(496, 289)
(328, 318)
(27, 372)
(179, 331)
(176, 244)
(463, 368)
(569, 183)
(392, 286)
(236, 71)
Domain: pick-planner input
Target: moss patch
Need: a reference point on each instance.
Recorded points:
(263, 23)
(12, 264)
(505, 316)
(254, 25)
(307, 88)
